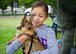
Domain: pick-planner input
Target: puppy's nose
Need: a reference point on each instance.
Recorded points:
(19, 28)
(35, 34)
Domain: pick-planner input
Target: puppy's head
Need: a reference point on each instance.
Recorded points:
(26, 27)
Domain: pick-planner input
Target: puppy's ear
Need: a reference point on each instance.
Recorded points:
(24, 20)
(31, 18)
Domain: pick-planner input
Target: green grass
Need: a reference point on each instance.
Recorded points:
(7, 31)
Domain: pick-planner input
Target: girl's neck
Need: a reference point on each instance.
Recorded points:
(37, 27)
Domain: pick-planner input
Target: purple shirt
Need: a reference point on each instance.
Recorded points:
(47, 37)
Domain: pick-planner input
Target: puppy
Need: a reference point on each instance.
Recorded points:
(26, 28)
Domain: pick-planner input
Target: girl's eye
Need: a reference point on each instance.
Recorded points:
(41, 16)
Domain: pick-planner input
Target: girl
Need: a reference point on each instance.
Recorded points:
(45, 33)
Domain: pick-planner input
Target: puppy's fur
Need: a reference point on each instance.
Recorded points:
(26, 28)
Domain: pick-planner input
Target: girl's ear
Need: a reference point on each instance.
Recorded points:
(46, 18)
(24, 20)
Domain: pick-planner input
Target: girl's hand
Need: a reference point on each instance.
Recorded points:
(23, 38)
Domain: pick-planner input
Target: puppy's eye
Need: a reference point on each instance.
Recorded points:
(29, 28)
(19, 27)
(22, 25)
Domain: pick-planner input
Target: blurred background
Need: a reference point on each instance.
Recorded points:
(21, 6)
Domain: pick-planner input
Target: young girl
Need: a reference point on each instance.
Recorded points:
(45, 33)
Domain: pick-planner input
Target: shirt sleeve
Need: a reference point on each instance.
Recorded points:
(52, 46)
(13, 47)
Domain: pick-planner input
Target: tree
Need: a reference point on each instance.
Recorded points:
(3, 5)
(53, 4)
(26, 3)
(11, 3)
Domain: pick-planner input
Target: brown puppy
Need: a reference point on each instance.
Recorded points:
(26, 28)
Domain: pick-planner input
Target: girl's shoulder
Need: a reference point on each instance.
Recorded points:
(44, 28)
(47, 28)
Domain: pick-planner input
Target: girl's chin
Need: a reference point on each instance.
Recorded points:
(35, 25)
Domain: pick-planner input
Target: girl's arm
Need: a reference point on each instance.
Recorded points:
(12, 40)
(15, 45)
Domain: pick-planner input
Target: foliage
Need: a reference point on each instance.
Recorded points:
(26, 3)
(11, 3)
(3, 5)
(50, 2)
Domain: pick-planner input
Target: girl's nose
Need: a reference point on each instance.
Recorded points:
(36, 18)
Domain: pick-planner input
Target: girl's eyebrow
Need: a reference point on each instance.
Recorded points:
(33, 13)
(41, 14)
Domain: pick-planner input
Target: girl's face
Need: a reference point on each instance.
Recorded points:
(39, 16)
